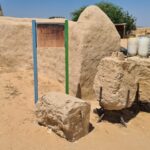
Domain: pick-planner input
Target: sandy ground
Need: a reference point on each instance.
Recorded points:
(124, 43)
(19, 130)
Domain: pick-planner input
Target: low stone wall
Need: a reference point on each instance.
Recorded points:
(16, 49)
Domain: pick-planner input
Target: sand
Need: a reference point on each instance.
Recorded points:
(19, 130)
(124, 43)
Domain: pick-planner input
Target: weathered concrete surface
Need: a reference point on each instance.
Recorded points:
(92, 38)
(119, 78)
(116, 80)
(67, 116)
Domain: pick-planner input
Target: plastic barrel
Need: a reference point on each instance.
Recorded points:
(132, 46)
(144, 43)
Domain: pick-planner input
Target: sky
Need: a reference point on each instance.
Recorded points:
(46, 8)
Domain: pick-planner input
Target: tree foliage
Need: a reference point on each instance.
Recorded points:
(114, 12)
(1, 11)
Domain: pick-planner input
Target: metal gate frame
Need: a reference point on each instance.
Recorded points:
(35, 60)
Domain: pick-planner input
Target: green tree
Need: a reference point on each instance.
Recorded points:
(1, 11)
(114, 12)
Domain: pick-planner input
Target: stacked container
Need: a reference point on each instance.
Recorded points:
(132, 46)
(140, 46)
(143, 48)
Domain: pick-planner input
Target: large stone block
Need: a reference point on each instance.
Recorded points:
(141, 70)
(67, 116)
(118, 83)
(119, 78)
(92, 38)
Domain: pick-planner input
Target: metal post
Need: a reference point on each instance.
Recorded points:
(66, 58)
(34, 38)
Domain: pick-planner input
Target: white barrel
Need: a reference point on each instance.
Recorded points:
(132, 46)
(143, 46)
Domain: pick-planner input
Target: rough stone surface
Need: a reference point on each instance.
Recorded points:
(119, 78)
(141, 69)
(67, 116)
(116, 80)
(92, 38)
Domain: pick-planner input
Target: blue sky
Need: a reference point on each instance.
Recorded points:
(45, 8)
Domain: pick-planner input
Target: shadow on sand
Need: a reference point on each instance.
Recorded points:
(125, 115)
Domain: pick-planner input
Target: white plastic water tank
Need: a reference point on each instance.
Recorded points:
(132, 46)
(143, 49)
